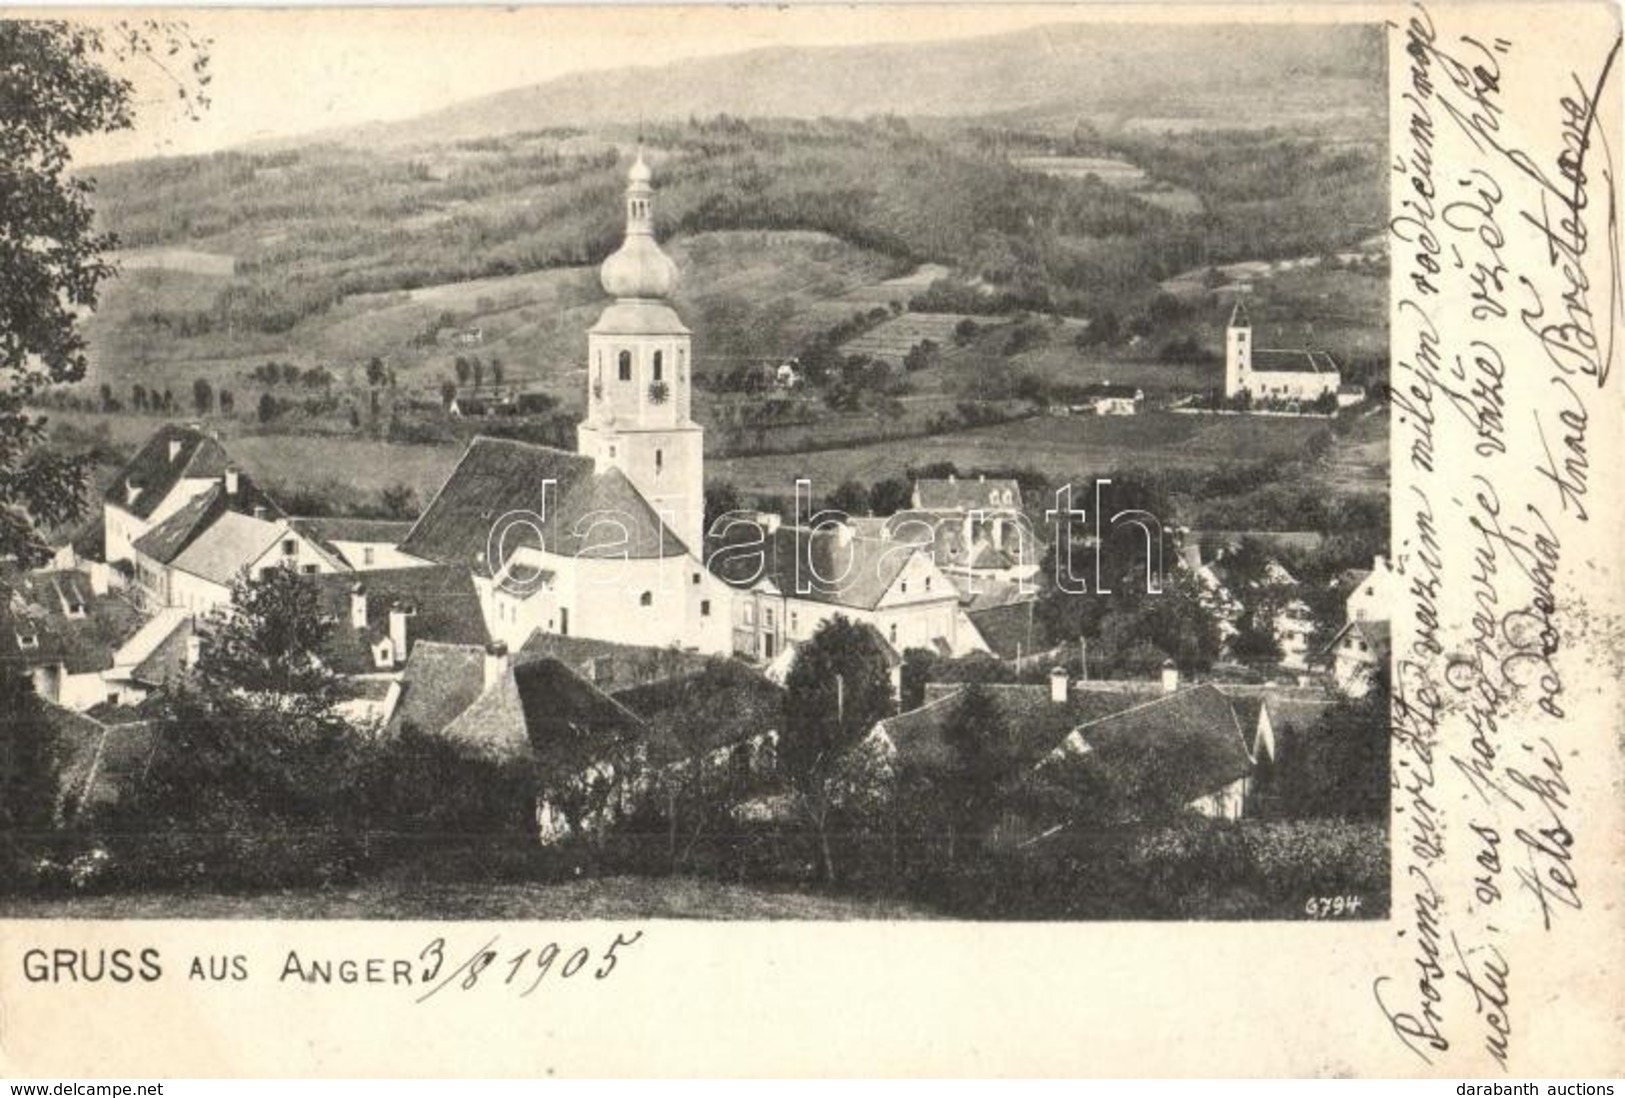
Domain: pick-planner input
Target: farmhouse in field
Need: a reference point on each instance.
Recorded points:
(1269, 374)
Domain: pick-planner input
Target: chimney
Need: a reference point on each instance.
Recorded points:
(130, 492)
(496, 663)
(1057, 685)
(1379, 563)
(358, 606)
(398, 613)
(231, 481)
(259, 511)
(1170, 676)
(174, 449)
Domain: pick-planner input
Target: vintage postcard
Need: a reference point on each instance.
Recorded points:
(811, 540)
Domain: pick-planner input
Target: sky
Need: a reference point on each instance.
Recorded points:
(284, 72)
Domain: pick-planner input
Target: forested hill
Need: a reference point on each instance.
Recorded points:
(1250, 75)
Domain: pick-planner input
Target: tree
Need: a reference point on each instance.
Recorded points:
(400, 502)
(496, 372)
(58, 84)
(269, 408)
(138, 397)
(849, 498)
(478, 369)
(924, 355)
(202, 396)
(464, 370)
(891, 495)
(228, 403)
(29, 767)
(448, 392)
(919, 664)
(274, 641)
(983, 764)
(721, 497)
(375, 372)
(838, 687)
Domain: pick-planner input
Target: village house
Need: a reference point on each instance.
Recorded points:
(191, 560)
(789, 580)
(361, 545)
(84, 644)
(1268, 374)
(1105, 399)
(1358, 654)
(174, 466)
(1369, 592)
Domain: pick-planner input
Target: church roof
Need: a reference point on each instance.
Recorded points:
(640, 317)
(1273, 361)
(1238, 316)
(553, 489)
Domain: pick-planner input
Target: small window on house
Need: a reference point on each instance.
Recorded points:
(27, 640)
(705, 608)
(289, 547)
(905, 587)
(928, 583)
(767, 616)
(612, 452)
(626, 365)
(696, 579)
(795, 622)
(309, 569)
(646, 599)
(659, 362)
(366, 554)
(894, 632)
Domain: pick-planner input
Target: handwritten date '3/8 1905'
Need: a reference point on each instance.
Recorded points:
(522, 970)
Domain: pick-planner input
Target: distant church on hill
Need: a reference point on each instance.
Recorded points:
(1272, 374)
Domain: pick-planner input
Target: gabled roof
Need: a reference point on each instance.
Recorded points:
(444, 602)
(156, 473)
(956, 494)
(1038, 723)
(226, 546)
(609, 665)
(164, 542)
(67, 622)
(335, 528)
(498, 476)
(1010, 629)
(1375, 634)
(722, 704)
(440, 682)
(1164, 753)
(943, 534)
(1279, 361)
(102, 759)
(829, 565)
(545, 710)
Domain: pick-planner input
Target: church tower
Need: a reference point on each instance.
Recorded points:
(639, 376)
(1238, 352)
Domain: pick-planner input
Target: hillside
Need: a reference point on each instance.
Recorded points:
(1133, 74)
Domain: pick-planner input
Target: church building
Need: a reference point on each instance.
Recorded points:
(1270, 374)
(605, 543)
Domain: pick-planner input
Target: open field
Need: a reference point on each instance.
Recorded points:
(1060, 447)
(601, 898)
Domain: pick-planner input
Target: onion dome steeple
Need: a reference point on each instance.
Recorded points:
(639, 269)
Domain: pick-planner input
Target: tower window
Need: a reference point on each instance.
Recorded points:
(626, 365)
(658, 363)
(660, 460)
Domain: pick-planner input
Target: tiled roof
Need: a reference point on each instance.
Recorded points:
(956, 494)
(843, 568)
(226, 546)
(1038, 723)
(69, 623)
(155, 473)
(497, 476)
(440, 682)
(1010, 629)
(164, 542)
(329, 529)
(1277, 361)
(943, 533)
(1164, 753)
(722, 704)
(445, 608)
(609, 665)
(543, 708)
(102, 759)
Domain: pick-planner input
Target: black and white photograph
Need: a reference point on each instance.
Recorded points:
(909, 478)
